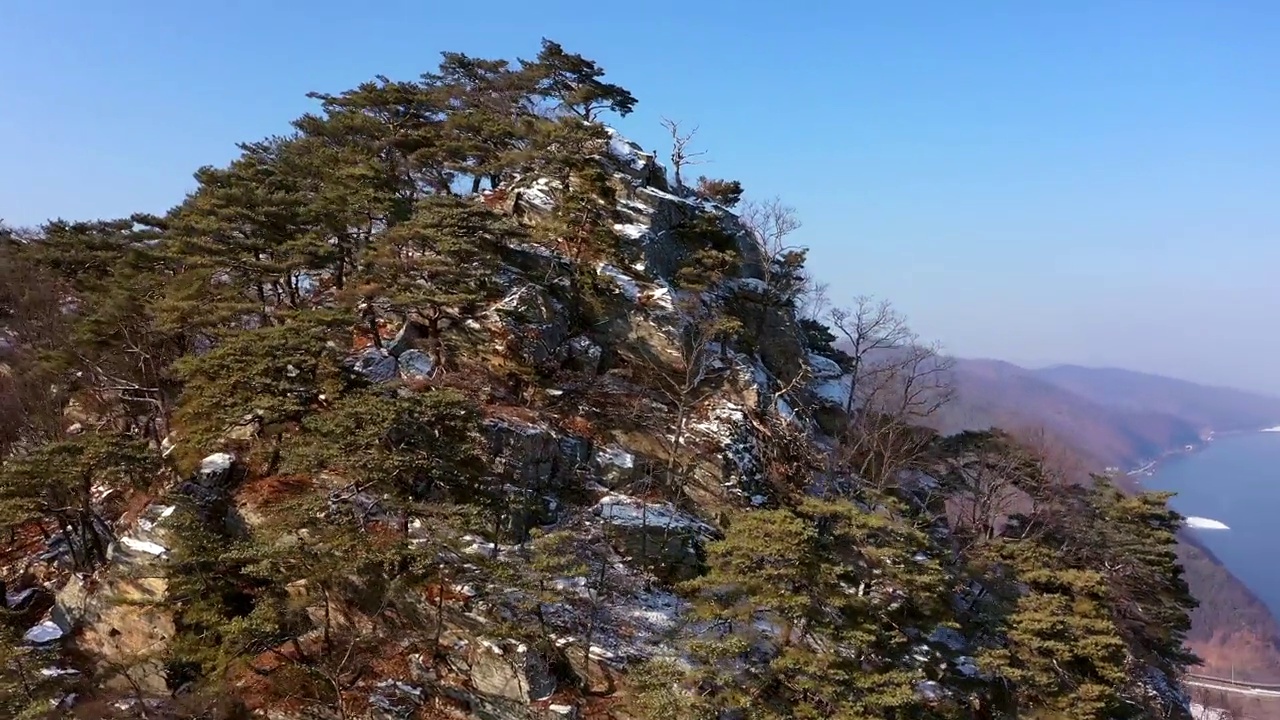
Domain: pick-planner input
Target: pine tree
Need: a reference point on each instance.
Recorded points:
(56, 484)
(441, 262)
(726, 193)
(573, 83)
(416, 447)
(271, 376)
(490, 106)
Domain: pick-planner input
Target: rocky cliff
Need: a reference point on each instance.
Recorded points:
(335, 439)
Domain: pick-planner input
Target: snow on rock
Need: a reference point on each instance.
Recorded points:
(144, 546)
(659, 298)
(15, 599)
(824, 368)
(630, 152)
(631, 231)
(153, 515)
(539, 193)
(46, 632)
(216, 464)
(58, 672)
(930, 690)
(374, 363)
(627, 284)
(834, 391)
(632, 512)
(415, 365)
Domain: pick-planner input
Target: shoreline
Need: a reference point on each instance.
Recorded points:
(1152, 466)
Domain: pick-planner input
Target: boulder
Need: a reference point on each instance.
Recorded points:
(123, 620)
(615, 467)
(658, 537)
(585, 354)
(375, 364)
(530, 324)
(415, 365)
(515, 673)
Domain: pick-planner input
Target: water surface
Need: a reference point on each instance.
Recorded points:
(1235, 481)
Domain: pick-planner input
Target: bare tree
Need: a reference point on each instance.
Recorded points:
(814, 300)
(894, 383)
(682, 154)
(873, 329)
(770, 225)
(683, 380)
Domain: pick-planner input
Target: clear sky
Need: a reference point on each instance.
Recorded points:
(1076, 181)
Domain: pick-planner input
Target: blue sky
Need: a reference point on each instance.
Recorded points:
(1084, 181)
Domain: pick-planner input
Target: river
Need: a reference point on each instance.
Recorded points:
(1234, 481)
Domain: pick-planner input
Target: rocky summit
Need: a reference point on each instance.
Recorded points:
(455, 403)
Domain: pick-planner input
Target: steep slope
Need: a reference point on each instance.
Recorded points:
(1209, 408)
(1111, 423)
(999, 394)
(336, 439)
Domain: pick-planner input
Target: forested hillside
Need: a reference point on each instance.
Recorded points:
(453, 402)
(1115, 425)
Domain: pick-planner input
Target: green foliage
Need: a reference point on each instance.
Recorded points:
(223, 611)
(276, 374)
(822, 592)
(56, 483)
(722, 192)
(574, 83)
(413, 447)
(656, 693)
(446, 254)
(25, 692)
(712, 253)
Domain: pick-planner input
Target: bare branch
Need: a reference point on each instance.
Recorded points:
(682, 155)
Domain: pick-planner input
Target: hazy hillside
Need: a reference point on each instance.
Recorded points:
(1207, 407)
(996, 393)
(1110, 417)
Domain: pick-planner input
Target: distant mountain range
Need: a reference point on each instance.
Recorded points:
(1122, 418)
(1111, 417)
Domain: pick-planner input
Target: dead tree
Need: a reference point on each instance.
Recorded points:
(682, 154)
(872, 330)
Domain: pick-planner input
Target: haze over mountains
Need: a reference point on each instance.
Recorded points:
(1111, 417)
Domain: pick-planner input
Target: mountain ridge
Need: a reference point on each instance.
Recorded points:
(1106, 425)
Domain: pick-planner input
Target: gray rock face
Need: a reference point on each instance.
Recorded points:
(585, 354)
(536, 464)
(377, 365)
(616, 467)
(656, 536)
(415, 365)
(531, 324)
(517, 674)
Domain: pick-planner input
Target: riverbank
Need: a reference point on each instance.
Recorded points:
(1149, 468)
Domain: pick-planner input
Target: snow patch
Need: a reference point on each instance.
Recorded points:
(628, 151)
(930, 690)
(832, 390)
(216, 463)
(46, 632)
(145, 546)
(824, 368)
(628, 285)
(631, 231)
(15, 599)
(1200, 523)
(632, 512)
